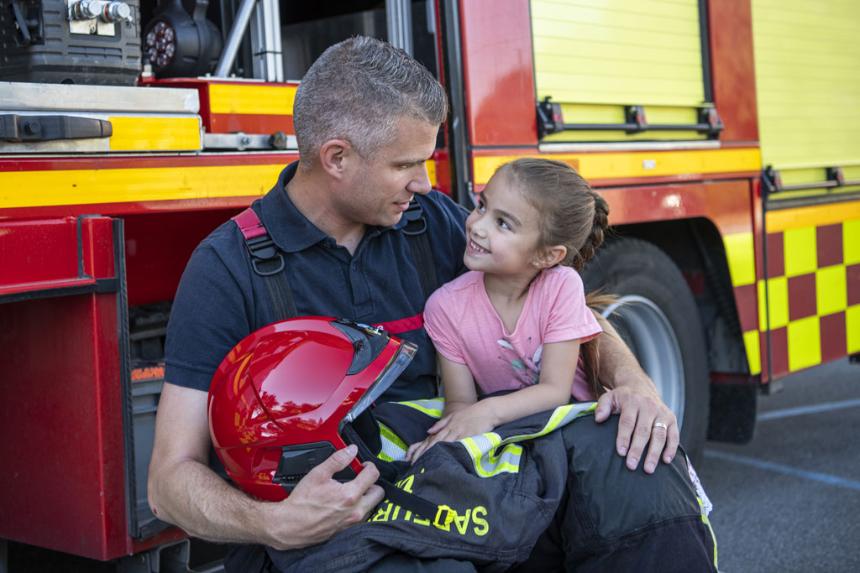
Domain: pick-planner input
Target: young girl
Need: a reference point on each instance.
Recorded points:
(518, 319)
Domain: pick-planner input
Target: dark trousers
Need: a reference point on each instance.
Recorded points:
(608, 519)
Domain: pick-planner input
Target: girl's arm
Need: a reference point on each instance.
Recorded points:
(459, 390)
(468, 418)
(458, 386)
(633, 395)
(558, 367)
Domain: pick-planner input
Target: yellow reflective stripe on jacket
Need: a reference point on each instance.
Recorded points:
(707, 522)
(431, 407)
(393, 448)
(562, 416)
(481, 449)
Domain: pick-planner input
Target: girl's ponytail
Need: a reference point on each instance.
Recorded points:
(573, 215)
(590, 354)
(599, 226)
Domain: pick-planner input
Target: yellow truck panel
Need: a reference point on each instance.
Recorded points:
(807, 62)
(595, 57)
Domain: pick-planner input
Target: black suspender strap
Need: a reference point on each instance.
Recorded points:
(267, 262)
(419, 241)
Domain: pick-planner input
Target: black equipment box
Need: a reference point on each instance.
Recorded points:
(55, 41)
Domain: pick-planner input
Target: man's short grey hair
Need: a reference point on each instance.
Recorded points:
(357, 90)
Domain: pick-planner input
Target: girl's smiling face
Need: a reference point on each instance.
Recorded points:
(503, 231)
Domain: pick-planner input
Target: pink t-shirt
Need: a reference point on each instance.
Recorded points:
(465, 328)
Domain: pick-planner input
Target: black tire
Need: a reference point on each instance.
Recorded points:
(640, 273)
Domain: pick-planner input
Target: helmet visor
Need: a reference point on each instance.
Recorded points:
(395, 367)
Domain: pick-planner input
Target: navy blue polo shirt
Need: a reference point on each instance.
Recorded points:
(220, 300)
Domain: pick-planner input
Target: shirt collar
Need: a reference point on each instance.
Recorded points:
(287, 226)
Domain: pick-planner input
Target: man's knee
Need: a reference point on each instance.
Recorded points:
(683, 545)
(607, 501)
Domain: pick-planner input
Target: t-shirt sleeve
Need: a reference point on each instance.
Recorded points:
(209, 316)
(568, 317)
(440, 326)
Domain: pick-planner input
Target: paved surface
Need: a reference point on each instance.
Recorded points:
(790, 499)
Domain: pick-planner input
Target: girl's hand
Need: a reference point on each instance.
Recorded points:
(469, 421)
(417, 447)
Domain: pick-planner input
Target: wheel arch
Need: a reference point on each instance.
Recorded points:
(697, 249)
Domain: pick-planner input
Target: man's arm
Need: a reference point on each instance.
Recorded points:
(633, 395)
(185, 492)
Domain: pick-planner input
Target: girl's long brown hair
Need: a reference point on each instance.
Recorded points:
(572, 215)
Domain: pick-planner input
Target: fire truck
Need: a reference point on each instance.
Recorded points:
(725, 135)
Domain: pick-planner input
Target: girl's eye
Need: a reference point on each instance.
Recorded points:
(503, 224)
(480, 207)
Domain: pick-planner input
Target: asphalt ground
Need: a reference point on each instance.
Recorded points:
(790, 499)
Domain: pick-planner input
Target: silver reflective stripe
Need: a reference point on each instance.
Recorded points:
(393, 448)
(707, 506)
(482, 448)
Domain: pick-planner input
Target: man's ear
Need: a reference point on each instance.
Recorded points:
(334, 157)
(549, 256)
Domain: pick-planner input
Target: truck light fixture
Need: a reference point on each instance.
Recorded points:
(179, 44)
(160, 45)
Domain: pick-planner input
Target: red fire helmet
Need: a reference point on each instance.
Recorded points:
(290, 394)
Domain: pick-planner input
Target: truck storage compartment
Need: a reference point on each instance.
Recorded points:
(624, 70)
(147, 332)
(157, 247)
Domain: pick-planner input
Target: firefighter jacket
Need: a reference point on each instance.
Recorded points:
(507, 487)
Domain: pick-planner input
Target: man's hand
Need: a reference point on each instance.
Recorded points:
(645, 419)
(319, 506)
(468, 421)
(184, 491)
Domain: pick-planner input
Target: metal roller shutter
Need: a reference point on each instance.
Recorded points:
(807, 62)
(597, 56)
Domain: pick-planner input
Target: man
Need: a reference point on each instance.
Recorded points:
(366, 118)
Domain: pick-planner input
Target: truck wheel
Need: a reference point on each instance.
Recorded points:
(657, 317)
